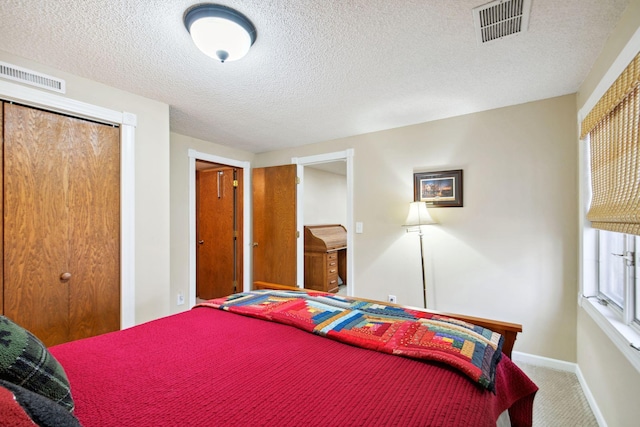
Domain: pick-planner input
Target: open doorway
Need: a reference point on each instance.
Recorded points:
(337, 197)
(325, 217)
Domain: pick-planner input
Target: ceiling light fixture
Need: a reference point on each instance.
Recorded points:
(219, 31)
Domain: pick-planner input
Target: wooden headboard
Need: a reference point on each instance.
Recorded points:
(508, 330)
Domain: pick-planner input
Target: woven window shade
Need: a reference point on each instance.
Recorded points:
(612, 127)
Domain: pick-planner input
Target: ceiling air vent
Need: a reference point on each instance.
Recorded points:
(500, 19)
(32, 78)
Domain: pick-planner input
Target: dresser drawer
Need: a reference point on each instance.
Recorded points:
(332, 281)
(323, 270)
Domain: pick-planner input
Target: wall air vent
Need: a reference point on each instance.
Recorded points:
(500, 19)
(31, 78)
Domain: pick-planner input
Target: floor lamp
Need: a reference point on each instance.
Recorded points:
(419, 216)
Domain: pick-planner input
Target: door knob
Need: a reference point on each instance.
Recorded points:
(255, 244)
(64, 277)
(200, 242)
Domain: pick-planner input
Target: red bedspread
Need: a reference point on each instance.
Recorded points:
(471, 349)
(214, 368)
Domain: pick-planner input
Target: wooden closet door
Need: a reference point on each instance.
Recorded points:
(94, 218)
(36, 230)
(61, 218)
(1, 209)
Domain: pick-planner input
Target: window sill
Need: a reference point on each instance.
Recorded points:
(622, 335)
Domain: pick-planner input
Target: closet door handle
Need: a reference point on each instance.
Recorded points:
(200, 242)
(64, 277)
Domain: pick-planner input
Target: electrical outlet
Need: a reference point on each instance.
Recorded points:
(180, 300)
(392, 298)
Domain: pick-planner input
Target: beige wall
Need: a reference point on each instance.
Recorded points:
(151, 188)
(325, 197)
(614, 382)
(510, 253)
(180, 146)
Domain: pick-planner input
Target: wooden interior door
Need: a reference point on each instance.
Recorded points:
(217, 223)
(274, 224)
(94, 218)
(61, 215)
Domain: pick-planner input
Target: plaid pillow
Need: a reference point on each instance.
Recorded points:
(25, 361)
(21, 407)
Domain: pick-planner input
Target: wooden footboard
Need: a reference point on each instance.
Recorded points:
(508, 330)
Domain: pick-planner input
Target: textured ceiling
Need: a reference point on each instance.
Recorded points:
(319, 70)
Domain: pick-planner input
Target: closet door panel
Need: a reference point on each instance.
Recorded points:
(94, 218)
(1, 210)
(36, 231)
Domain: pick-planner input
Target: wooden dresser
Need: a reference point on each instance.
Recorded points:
(325, 257)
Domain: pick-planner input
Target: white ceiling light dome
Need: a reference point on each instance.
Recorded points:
(219, 31)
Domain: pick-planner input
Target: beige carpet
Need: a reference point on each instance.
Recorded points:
(560, 401)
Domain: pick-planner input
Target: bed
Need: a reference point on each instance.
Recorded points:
(211, 366)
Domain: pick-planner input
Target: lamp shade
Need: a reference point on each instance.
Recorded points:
(418, 215)
(220, 32)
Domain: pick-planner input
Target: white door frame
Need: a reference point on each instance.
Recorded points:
(127, 122)
(246, 217)
(301, 162)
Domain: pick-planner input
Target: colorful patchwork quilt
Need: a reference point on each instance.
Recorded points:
(471, 349)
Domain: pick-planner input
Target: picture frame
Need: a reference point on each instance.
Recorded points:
(441, 189)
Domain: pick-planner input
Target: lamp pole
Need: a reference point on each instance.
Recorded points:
(424, 279)
(419, 216)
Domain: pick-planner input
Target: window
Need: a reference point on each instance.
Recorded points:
(611, 135)
(617, 275)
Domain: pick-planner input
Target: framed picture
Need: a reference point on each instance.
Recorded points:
(438, 189)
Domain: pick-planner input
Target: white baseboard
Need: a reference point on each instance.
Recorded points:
(545, 362)
(561, 365)
(590, 399)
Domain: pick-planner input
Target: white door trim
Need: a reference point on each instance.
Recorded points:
(127, 122)
(246, 216)
(301, 162)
